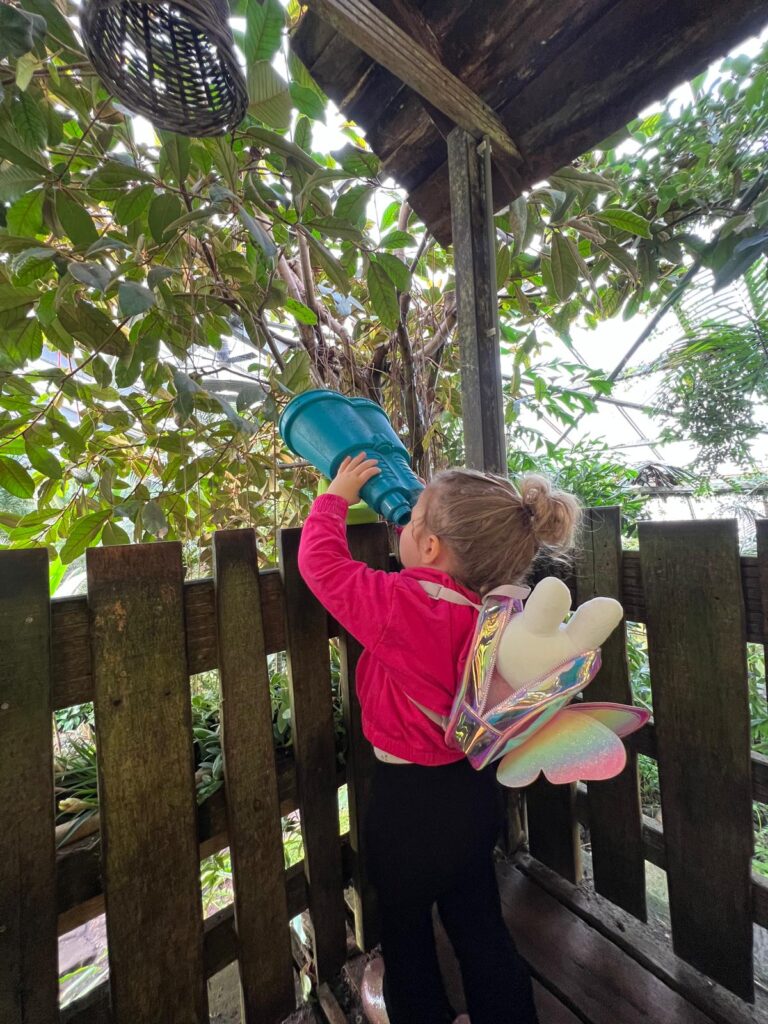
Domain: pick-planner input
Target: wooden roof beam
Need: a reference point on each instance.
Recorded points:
(378, 36)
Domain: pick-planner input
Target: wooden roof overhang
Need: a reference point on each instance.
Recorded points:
(546, 81)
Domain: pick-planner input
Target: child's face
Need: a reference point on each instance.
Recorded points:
(414, 539)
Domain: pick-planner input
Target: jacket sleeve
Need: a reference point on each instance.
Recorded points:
(358, 597)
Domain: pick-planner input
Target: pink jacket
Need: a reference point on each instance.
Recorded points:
(414, 647)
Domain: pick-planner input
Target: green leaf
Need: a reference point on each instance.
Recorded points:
(295, 378)
(565, 270)
(116, 172)
(134, 298)
(75, 220)
(25, 217)
(301, 312)
(307, 101)
(257, 233)
(132, 204)
(286, 147)
(14, 149)
(91, 274)
(29, 121)
(22, 340)
(163, 211)
(250, 395)
(84, 532)
(186, 389)
(114, 534)
(270, 99)
(154, 520)
(360, 162)
(627, 221)
(351, 205)
(15, 479)
(383, 294)
(15, 182)
(92, 327)
(335, 228)
(390, 215)
(20, 31)
(329, 264)
(397, 240)
(159, 274)
(572, 177)
(16, 298)
(620, 257)
(396, 270)
(264, 23)
(42, 459)
(36, 254)
(175, 150)
(503, 263)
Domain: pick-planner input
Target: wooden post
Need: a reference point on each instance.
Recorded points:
(309, 680)
(253, 807)
(368, 544)
(29, 989)
(474, 254)
(697, 654)
(615, 822)
(149, 845)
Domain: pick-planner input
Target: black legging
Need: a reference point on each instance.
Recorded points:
(431, 833)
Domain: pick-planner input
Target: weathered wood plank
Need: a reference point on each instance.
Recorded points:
(28, 950)
(761, 530)
(313, 743)
(697, 656)
(150, 860)
(368, 544)
(379, 36)
(553, 828)
(600, 982)
(220, 948)
(78, 867)
(71, 657)
(253, 810)
(642, 944)
(615, 815)
(477, 307)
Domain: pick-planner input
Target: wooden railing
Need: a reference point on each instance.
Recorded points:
(131, 645)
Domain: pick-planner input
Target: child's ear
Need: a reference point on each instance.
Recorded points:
(432, 549)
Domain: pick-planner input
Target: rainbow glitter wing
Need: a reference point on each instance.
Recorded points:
(582, 742)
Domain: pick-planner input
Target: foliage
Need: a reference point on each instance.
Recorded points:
(589, 469)
(160, 297)
(716, 374)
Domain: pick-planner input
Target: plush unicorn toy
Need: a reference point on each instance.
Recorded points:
(525, 668)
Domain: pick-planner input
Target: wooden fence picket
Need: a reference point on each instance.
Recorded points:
(615, 818)
(315, 753)
(697, 652)
(253, 806)
(29, 987)
(369, 543)
(150, 859)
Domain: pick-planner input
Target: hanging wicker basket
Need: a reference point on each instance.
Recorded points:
(171, 60)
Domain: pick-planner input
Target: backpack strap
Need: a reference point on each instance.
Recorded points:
(440, 593)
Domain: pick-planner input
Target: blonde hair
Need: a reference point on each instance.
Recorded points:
(495, 529)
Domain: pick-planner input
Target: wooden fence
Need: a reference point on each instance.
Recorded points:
(130, 647)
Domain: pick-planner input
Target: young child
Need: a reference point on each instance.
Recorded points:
(433, 820)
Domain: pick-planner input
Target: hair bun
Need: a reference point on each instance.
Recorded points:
(554, 514)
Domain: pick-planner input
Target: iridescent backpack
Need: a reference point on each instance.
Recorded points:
(530, 725)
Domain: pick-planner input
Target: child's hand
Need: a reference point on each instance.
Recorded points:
(351, 475)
